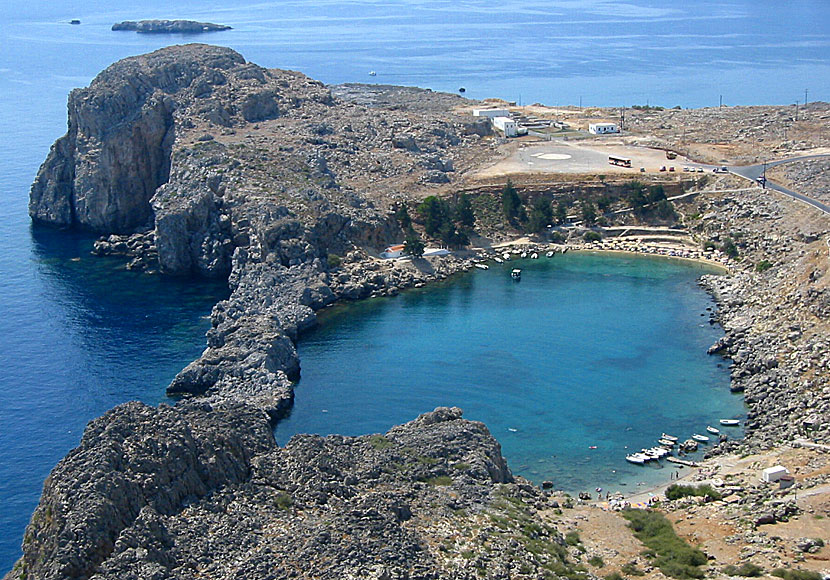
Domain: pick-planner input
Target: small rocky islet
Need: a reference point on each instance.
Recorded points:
(168, 26)
(192, 161)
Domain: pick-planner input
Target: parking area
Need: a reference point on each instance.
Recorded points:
(564, 157)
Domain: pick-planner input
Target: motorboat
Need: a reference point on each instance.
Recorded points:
(668, 437)
(499, 260)
(701, 438)
(482, 266)
(506, 256)
(667, 442)
(516, 274)
(534, 256)
(637, 458)
(549, 255)
(712, 430)
(730, 422)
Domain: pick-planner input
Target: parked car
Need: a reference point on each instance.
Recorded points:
(663, 168)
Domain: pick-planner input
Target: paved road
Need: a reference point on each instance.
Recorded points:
(753, 172)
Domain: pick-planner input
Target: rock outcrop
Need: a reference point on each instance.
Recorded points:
(169, 26)
(203, 491)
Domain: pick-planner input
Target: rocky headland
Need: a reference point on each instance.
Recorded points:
(192, 161)
(169, 26)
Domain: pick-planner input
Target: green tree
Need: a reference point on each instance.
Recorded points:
(656, 193)
(413, 244)
(561, 214)
(451, 237)
(464, 211)
(511, 202)
(589, 213)
(541, 214)
(402, 215)
(434, 213)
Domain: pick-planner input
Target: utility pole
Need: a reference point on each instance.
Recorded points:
(622, 118)
(796, 110)
(805, 97)
(580, 101)
(720, 102)
(764, 179)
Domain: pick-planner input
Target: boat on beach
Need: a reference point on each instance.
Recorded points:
(730, 422)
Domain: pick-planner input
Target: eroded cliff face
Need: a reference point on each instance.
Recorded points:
(203, 491)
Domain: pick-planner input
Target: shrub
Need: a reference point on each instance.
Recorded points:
(572, 538)
(676, 491)
(614, 576)
(334, 260)
(439, 480)
(379, 442)
(596, 561)
(747, 569)
(790, 574)
(284, 501)
(631, 569)
(592, 236)
(675, 557)
(763, 266)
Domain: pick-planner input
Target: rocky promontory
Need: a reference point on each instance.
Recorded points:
(221, 168)
(169, 26)
(202, 491)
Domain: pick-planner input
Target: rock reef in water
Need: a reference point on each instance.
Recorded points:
(169, 26)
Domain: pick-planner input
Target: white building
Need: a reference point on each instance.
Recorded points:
(603, 128)
(507, 125)
(771, 474)
(492, 113)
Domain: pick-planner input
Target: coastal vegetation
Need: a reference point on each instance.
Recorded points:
(676, 491)
(673, 556)
(747, 570)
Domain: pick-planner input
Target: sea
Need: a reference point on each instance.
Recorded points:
(591, 351)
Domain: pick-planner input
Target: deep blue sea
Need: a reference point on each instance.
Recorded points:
(82, 334)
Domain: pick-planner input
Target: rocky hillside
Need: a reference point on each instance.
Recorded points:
(226, 169)
(200, 491)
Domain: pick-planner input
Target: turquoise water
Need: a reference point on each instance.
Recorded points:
(586, 350)
(83, 336)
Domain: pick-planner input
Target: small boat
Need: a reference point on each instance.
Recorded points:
(592, 447)
(701, 438)
(534, 256)
(482, 266)
(516, 274)
(712, 430)
(506, 256)
(669, 437)
(667, 442)
(499, 260)
(74, 21)
(637, 458)
(372, 73)
(549, 255)
(462, 90)
(730, 422)
(524, 254)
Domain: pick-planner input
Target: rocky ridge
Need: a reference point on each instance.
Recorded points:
(200, 491)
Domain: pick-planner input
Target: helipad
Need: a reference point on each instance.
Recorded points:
(552, 156)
